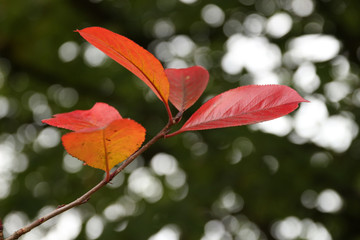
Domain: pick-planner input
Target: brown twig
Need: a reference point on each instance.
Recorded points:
(84, 198)
(1, 231)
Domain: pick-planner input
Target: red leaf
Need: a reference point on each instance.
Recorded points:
(100, 115)
(133, 57)
(242, 106)
(102, 138)
(186, 85)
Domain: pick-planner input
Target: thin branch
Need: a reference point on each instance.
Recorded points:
(86, 197)
(176, 120)
(1, 231)
(160, 135)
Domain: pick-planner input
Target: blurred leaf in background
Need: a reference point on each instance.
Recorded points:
(292, 178)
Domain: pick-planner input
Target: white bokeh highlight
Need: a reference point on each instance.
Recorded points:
(93, 57)
(144, 184)
(213, 15)
(279, 25)
(313, 47)
(94, 227)
(168, 232)
(256, 54)
(68, 51)
(292, 228)
(329, 201)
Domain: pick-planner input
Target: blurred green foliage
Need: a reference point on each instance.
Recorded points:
(241, 183)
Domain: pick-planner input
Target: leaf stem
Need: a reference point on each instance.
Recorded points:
(86, 197)
(172, 134)
(176, 120)
(168, 111)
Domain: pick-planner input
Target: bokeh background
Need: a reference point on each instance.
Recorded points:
(296, 177)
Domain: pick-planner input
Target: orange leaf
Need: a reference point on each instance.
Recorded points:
(132, 56)
(102, 138)
(106, 147)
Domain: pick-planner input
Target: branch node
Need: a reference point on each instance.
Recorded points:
(60, 206)
(85, 200)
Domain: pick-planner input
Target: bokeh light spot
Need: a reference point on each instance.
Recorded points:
(71, 221)
(125, 206)
(163, 28)
(254, 24)
(14, 221)
(94, 227)
(272, 163)
(309, 117)
(279, 126)
(309, 198)
(68, 51)
(144, 184)
(336, 91)
(71, 164)
(93, 56)
(68, 97)
(214, 229)
(213, 15)
(4, 106)
(336, 133)
(168, 232)
(329, 201)
(164, 164)
(182, 46)
(176, 179)
(48, 137)
(302, 8)
(313, 47)
(255, 54)
(5, 188)
(305, 78)
(279, 25)
(292, 228)
(188, 1)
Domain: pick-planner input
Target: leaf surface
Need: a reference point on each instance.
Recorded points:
(101, 137)
(132, 56)
(99, 116)
(242, 106)
(186, 85)
(106, 147)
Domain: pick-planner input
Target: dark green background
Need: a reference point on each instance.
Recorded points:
(31, 33)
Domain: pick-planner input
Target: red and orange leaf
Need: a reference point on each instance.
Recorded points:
(243, 106)
(186, 85)
(105, 147)
(132, 56)
(102, 138)
(99, 116)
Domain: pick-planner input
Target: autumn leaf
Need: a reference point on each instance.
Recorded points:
(100, 115)
(186, 85)
(105, 147)
(132, 56)
(242, 106)
(102, 138)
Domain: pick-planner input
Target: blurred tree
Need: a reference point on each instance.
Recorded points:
(294, 178)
